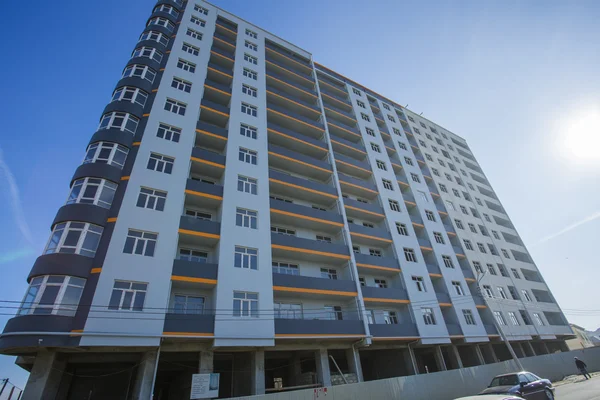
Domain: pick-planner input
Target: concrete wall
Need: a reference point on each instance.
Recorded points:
(449, 384)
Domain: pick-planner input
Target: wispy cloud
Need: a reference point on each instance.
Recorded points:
(569, 228)
(15, 199)
(15, 255)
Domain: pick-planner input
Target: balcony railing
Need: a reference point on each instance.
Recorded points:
(369, 260)
(306, 211)
(318, 327)
(195, 269)
(314, 283)
(371, 292)
(189, 323)
(403, 329)
(369, 208)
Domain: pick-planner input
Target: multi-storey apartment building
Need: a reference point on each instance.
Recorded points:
(244, 210)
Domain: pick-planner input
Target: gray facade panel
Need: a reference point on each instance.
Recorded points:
(388, 262)
(299, 156)
(318, 327)
(194, 269)
(306, 211)
(61, 264)
(365, 230)
(308, 244)
(127, 107)
(353, 161)
(384, 293)
(298, 136)
(113, 135)
(83, 213)
(193, 323)
(214, 106)
(358, 182)
(203, 187)
(320, 187)
(134, 81)
(394, 330)
(443, 297)
(309, 282)
(374, 208)
(39, 323)
(199, 225)
(208, 155)
(97, 170)
(210, 128)
(454, 329)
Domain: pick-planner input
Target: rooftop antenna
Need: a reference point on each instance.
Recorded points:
(421, 114)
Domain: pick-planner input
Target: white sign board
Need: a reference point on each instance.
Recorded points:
(205, 386)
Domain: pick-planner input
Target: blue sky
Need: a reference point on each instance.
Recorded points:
(519, 80)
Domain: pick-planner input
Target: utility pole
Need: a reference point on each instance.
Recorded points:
(497, 325)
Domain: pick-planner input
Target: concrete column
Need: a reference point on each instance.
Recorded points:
(492, 352)
(258, 372)
(323, 373)
(530, 347)
(413, 360)
(457, 355)
(45, 376)
(296, 369)
(439, 358)
(545, 346)
(353, 358)
(479, 355)
(144, 381)
(206, 362)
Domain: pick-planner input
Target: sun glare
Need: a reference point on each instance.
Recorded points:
(581, 136)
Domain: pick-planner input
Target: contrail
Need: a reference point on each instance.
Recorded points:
(15, 199)
(570, 227)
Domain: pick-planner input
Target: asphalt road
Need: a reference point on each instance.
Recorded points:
(584, 390)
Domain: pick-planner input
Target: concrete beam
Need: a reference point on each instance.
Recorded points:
(45, 376)
(323, 372)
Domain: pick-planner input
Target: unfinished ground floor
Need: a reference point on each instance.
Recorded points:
(166, 371)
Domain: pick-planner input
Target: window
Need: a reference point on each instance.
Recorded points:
(74, 238)
(418, 280)
(491, 268)
(422, 143)
(140, 242)
(356, 91)
(513, 318)
(505, 253)
(525, 317)
(329, 273)
(375, 252)
(502, 270)
(411, 119)
(448, 261)
(459, 181)
(459, 224)
(415, 177)
(130, 94)
(487, 291)
(252, 46)
(249, 109)
(397, 131)
(321, 238)
(193, 255)
(120, 121)
(246, 218)
(52, 295)
(285, 268)
(487, 218)
(438, 237)
(175, 106)
(387, 184)
(468, 244)
(168, 132)
(443, 188)
(248, 156)
(106, 153)
(429, 158)
(356, 249)
(375, 148)
(194, 34)
(496, 236)
(201, 10)
(408, 161)
(390, 317)
(470, 186)
(538, 319)
(458, 288)
(477, 266)
(469, 319)
(250, 59)
(248, 131)
(245, 304)
(428, 136)
(283, 231)
(370, 132)
(394, 205)
(428, 316)
(128, 296)
(481, 248)
(186, 66)
(361, 105)
(485, 233)
(250, 74)
(464, 211)
(365, 117)
(417, 130)
(197, 21)
(515, 273)
(391, 118)
(315, 207)
(245, 257)
(430, 216)
(152, 199)
(381, 283)
(502, 293)
(472, 227)
(381, 165)
(401, 229)
(188, 48)
(402, 146)
(526, 295)
(95, 191)
(155, 36)
(443, 164)
(456, 193)
(333, 313)
(185, 304)
(252, 34)
(139, 71)
(249, 90)
(386, 106)
(288, 311)
(247, 185)
(409, 254)
(159, 21)
(160, 163)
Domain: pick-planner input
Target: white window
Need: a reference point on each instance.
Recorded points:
(288, 311)
(193, 255)
(152, 199)
(459, 224)
(397, 131)
(458, 288)
(390, 117)
(443, 188)
(159, 21)
(386, 106)
(249, 90)
(74, 238)
(448, 261)
(140, 242)
(250, 59)
(438, 237)
(131, 95)
(468, 244)
(194, 34)
(381, 283)
(394, 205)
(147, 52)
(415, 177)
(464, 210)
(499, 318)
(515, 273)
(106, 153)
(128, 296)
(469, 319)
(502, 293)
(248, 156)
(356, 91)
(496, 236)
(430, 216)
(160, 163)
(252, 46)
(119, 120)
(456, 193)
(155, 36)
(387, 184)
(252, 34)
(428, 316)
(197, 21)
(526, 295)
(375, 148)
(472, 227)
(329, 273)
(365, 117)
(370, 132)
(139, 71)
(505, 252)
(513, 318)
(487, 291)
(381, 165)
(246, 218)
(409, 254)
(283, 231)
(285, 268)
(477, 266)
(200, 9)
(481, 248)
(247, 185)
(188, 48)
(450, 206)
(321, 238)
(245, 257)
(248, 131)
(245, 304)
(375, 252)
(487, 218)
(418, 280)
(250, 74)
(390, 317)
(402, 146)
(175, 106)
(52, 295)
(95, 191)
(491, 269)
(249, 109)
(186, 304)
(186, 65)
(408, 161)
(168, 132)
(538, 319)
(401, 229)
(361, 105)
(182, 85)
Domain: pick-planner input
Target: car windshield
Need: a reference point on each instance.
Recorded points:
(505, 380)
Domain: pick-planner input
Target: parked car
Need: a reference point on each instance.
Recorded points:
(491, 397)
(524, 384)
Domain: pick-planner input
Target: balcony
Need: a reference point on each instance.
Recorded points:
(305, 80)
(292, 161)
(468, 274)
(189, 324)
(219, 74)
(443, 299)
(404, 330)
(459, 251)
(222, 58)
(318, 327)
(282, 83)
(307, 249)
(301, 188)
(340, 115)
(296, 122)
(454, 330)
(336, 102)
(288, 58)
(293, 103)
(333, 91)
(434, 270)
(402, 180)
(202, 194)
(491, 330)
(349, 165)
(211, 135)
(214, 113)
(199, 231)
(479, 301)
(227, 26)
(372, 264)
(223, 42)
(196, 272)
(358, 187)
(369, 236)
(377, 295)
(220, 92)
(312, 288)
(347, 132)
(291, 140)
(355, 150)
(425, 244)
(206, 162)
(305, 217)
(358, 209)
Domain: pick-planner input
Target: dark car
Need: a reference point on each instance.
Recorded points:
(524, 384)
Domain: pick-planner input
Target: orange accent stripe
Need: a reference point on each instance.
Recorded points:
(77, 330)
(322, 253)
(419, 225)
(403, 183)
(396, 165)
(210, 134)
(290, 72)
(190, 279)
(168, 51)
(303, 188)
(222, 56)
(365, 211)
(434, 194)
(125, 178)
(427, 177)
(377, 267)
(442, 212)
(210, 196)
(217, 90)
(390, 148)
(306, 217)
(297, 120)
(299, 162)
(154, 90)
(194, 233)
(360, 187)
(323, 335)
(289, 58)
(445, 304)
(460, 255)
(338, 113)
(470, 279)
(353, 166)
(213, 110)
(146, 115)
(314, 291)
(410, 202)
(435, 275)
(344, 129)
(426, 248)
(350, 147)
(398, 301)
(222, 41)
(207, 162)
(421, 161)
(189, 334)
(95, 270)
(333, 98)
(451, 233)
(370, 237)
(287, 84)
(296, 139)
(220, 72)
(292, 101)
(113, 219)
(136, 143)
(480, 306)
(161, 70)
